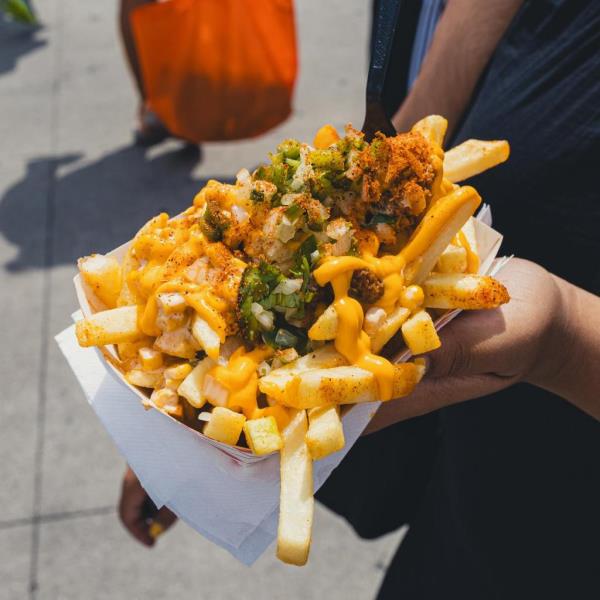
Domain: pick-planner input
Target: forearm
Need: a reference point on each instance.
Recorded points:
(464, 41)
(572, 368)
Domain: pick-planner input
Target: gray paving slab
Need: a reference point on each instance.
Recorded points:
(15, 552)
(95, 558)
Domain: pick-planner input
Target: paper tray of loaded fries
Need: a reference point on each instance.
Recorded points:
(261, 327)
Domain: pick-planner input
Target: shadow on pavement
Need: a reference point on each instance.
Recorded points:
(94, 207)
(16, 40)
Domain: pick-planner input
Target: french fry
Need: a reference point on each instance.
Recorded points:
(281, 414)
(127, 296)
(343, 385)
(284, 381)
(325, 327)
(103, 275)
(326, 136)
(436, 230)
(296, 502)
(419, 333)
(325, 431)
(452, 260)
(207, 338)
(224, 426)
(146, 379)
(109, 327)
(151, 359)
(191, 387)
(389, 328)
(432, 128)
(178, 342)
(457, 290)
(130, 350)
(263, 435)
(473, 157)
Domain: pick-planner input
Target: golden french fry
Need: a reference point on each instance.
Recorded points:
(473, 157)
(296, 503)
(466, 291)
(284, 381)
(224, 426)
(147, 379)
(419, 333)
(436, 230)
(191, 387)
(325, 327)
(343, 385)
(103, 275)
(432, 128)
(325, 431)
(207, 338)
(389, 328)
(178, 342)
(109, 327)
(452, 260)
(263, 435)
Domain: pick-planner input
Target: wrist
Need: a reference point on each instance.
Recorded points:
(557, 359)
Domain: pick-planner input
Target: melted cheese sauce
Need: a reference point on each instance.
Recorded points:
(240, 379)
(168, 253)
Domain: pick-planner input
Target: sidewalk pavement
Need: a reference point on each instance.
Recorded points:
(72, 183)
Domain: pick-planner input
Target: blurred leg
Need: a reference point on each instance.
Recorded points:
(128, 42)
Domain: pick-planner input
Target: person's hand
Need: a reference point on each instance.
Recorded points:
(138, 513)
(487, 350)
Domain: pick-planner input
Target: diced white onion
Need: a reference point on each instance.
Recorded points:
(263, 368)
(385, 233)
(338, 228)
(286, 230)
(342, 246)
(214, 392)
(171, 301)
(240, 214)
(243, 177)
(204, 416)
(264, 317)
(288, 199)
(288, 355)
(288, 286)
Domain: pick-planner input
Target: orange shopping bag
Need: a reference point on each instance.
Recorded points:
(217, 69)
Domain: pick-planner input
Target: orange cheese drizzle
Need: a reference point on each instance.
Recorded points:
(208, 306)
(240, 379)
(472, 257)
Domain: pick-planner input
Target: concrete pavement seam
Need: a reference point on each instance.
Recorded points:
(59, 516)
(46, 294)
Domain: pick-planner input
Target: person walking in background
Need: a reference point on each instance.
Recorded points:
(149, 129)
